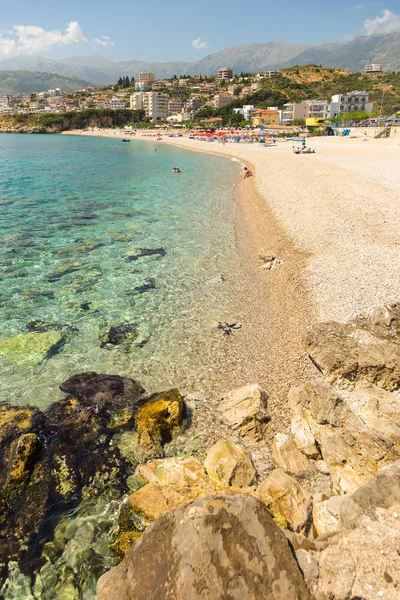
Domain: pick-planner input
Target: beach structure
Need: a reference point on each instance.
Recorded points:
(373, 68)
(154, 104)
(225, 73)
(356, 101)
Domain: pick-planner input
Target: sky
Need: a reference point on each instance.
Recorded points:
(188, 30)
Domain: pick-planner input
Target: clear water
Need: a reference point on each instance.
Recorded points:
(80, 205)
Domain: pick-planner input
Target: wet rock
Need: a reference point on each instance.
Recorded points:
(229, 465)
(42, 326)
(159, 420)
(136, 253)
(347, 354)
(124, 542)
(186, 547)
(287, 456)
(103, 390)
(121, 335)
(15, 420)
(288, 502)
(37, 294)
(82, 247)
(245, 409)
(31, 348)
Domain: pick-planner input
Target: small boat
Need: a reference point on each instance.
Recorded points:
(125, 140)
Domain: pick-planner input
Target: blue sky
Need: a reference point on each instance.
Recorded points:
(167, 30)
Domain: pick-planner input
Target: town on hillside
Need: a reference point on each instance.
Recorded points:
(265, 99)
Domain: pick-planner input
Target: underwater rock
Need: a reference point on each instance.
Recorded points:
(31, 348)
(81, 247)
(64, 269)
(137, 253)
(148, 284)
(15, 420)
(41, 326)
(124, 334)
(227, 328)
(105, 390)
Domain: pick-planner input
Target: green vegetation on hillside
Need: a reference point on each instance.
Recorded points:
(55, 123)
(26, 82)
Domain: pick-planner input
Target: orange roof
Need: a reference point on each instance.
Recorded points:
(266, 112)
(213, 120)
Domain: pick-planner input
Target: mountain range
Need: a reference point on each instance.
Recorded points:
(351, 55)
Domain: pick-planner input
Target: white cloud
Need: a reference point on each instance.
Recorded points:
(199, 44)
(29, 39)
(103, 40)
(387, 23)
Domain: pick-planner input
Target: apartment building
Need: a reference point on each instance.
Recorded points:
(265, 117)
(317, 109)
(355, 101)
(225, 73)
(373, 68)
(142, 86)
(174, 107)
(116, 103)
(191, 107)
(154, 104)
(221, 99)
(147, 77)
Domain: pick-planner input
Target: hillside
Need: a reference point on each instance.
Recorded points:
(23, 82)
(351, 55)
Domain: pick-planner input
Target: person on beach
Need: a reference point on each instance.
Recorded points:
(247, 173)
(365, 136)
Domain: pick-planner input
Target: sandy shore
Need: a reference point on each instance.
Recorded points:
(333, 218)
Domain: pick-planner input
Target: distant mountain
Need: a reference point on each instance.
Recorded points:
(248, 58)
(352, 55)
(23, 82)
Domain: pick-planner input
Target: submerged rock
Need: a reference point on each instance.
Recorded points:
(123, 335)
(217, 547)
(64, 269)
(148, 284)
(31, 348)
(137, 253)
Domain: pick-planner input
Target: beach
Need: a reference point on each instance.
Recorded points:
(331, 219)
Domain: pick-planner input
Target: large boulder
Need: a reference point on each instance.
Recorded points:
(229, 465)
(384, 321)
(31, 348)
(361, 563)
(287, 500)
(218, 547)
(347, 354)
(245, 410)
(352, 453)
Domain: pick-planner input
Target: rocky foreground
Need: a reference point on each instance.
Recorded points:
(109, 475)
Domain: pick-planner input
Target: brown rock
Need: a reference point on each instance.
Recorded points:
(219, 547)
(345, 353)
(245, 409)
(287, 456)
(228, 464)
(288, 502)
(159, 420)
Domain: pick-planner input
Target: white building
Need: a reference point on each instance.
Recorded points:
(351, 102)
(116, 103)
(373, 68)
(247, 111)
(154, 104)
(142, 86)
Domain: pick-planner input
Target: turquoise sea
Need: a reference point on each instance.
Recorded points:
(97, 234)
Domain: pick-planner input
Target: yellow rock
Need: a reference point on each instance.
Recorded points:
(159, 420)
(229, 465)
